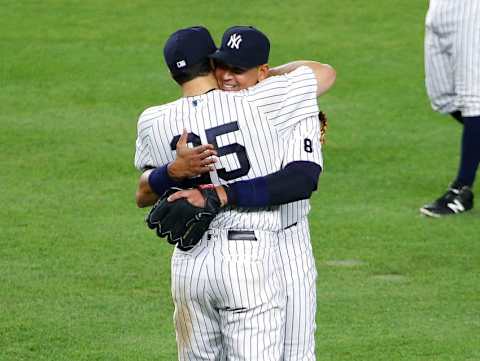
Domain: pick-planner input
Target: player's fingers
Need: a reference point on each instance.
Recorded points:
(177, 195)
(205, 169)
(202, 148)
(196, 200)
(182, 141)
(207, 161)
(207, 153)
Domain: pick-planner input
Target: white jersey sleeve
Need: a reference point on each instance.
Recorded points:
(145, 155)
(303, 144)
(287, 99)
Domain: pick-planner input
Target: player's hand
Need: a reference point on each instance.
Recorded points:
(191, 162)
(195, 197)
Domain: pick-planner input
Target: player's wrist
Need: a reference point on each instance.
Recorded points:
(174, 172)
(159, 180)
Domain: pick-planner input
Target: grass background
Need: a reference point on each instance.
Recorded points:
(82, 279)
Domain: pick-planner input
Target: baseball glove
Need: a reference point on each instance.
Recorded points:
(180, 222)
(323, 126)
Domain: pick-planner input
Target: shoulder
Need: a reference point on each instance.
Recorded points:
(158, 111)
(278, 82)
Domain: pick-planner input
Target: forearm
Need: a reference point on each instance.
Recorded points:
(288, 67)
(295, 182)
(145, 196)
(153, 183)
(324, 73)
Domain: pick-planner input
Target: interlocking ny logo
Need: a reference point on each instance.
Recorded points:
(234, 41)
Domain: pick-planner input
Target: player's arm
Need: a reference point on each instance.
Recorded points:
(294, 182)
(156, 181)
(324, 73)
(145, 196)
(189, 162)
(298, 180)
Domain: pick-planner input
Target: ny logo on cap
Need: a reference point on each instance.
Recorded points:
(181, 64)
(234, 41)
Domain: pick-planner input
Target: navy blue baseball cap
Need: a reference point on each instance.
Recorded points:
(187, 47)
(243, 47)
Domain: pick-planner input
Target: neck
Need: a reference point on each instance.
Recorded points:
(199, 85)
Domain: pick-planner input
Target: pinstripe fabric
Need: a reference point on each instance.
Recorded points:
(296, 251)
(300, 277)
(229, 299)
(230, 295)
(298, 150)
(452, 56)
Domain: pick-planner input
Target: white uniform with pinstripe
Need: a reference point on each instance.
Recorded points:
(296, 251)
(229, 294)
(452, 56)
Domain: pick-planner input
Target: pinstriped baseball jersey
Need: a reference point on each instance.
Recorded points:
(452, 56)
(248, 128)
(303, 145)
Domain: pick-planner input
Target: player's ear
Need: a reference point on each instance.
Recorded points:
(262, 72)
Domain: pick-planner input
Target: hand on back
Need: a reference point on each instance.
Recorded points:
(191, 162)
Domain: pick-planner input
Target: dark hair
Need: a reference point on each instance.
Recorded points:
(193, 71)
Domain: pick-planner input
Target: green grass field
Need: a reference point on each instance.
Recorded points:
(80, 276)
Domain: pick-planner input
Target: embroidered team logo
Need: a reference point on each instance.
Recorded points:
(234, 41)
(181, 64)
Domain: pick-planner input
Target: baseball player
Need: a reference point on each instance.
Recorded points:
(230, 290)
(452, 67)
(294, 239)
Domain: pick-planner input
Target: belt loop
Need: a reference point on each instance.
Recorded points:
(290, 226)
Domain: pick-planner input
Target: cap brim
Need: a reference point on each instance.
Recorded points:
(227, 59)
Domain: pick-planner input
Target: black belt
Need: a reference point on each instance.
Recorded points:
(241, 235)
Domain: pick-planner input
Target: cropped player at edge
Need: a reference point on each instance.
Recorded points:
(253, 231)
(452, 71)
